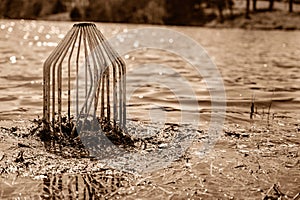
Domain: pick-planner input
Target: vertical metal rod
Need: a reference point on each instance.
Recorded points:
(59, 84)
(115, 96)
(85, 65)
(124, 94)
(69, 75)
(102, 97)
(107, 77)
(77, 68)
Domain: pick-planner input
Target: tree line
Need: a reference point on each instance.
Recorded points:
(142, 11)
(24, 9)
(174, 12)
(191, 12)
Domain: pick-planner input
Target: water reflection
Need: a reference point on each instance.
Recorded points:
(102, 184)
(84, 186)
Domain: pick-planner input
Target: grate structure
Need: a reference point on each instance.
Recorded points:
(84, 81)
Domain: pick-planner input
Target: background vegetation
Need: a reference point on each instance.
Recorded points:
(174, 12)
(16, 9)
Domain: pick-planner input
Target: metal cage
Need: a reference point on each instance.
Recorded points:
(84, 80)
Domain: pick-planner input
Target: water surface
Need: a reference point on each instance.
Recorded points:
(259, 66)
(256, 66)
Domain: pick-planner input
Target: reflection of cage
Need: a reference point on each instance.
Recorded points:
(102, 183)
(83, 76)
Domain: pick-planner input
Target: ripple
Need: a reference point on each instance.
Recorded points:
(20, 78)
(8, 98)
(249, 62)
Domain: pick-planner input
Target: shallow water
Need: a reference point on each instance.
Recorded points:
(259, 66)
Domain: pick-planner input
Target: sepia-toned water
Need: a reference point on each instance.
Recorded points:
(256, 66)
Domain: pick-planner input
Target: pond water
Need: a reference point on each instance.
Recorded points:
(256, 66)
(259, 66)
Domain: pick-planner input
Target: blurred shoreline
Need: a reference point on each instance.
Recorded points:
(158, 12)
(276, 20)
